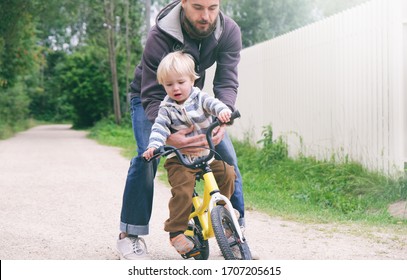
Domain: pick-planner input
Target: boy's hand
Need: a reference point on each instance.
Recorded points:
(149, 153)
(224, 116)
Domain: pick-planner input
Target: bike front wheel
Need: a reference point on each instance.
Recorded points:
(227, 237)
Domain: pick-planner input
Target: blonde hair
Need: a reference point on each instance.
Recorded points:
(178, 62)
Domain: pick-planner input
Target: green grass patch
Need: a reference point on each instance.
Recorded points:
(108, 133)
(310, 189)
(303, 189)
(9, 130)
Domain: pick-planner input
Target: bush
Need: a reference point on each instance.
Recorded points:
(14, 111)
(273, 150)
(86, 82)
(49, 102)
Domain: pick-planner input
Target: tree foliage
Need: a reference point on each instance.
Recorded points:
(261, 20)
(38, 39)
(17, 44)
(89, 94)
(42, 41)
(48, 101)
(19, 59)
(327, 8)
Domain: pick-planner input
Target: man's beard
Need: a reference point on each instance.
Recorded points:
(195, 32)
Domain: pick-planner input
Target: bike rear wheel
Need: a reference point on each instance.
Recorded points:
(227, 237)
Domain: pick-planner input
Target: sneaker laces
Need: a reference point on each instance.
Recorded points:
(138, 248)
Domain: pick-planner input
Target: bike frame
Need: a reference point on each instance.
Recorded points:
(203, 207)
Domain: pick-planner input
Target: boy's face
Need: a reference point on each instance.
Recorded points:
(201, 15)
(178, 87)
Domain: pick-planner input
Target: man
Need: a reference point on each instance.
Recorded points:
(199, 28)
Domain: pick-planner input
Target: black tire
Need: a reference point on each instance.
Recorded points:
(230, 245)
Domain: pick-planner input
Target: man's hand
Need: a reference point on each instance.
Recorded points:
(179, 139)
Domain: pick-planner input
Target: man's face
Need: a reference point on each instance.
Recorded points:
(201, 15)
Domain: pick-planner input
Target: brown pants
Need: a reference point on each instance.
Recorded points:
(182, 181)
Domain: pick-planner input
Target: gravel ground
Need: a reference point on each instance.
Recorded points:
(61, 197)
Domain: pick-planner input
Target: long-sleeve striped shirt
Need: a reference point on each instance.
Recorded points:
(195, 111)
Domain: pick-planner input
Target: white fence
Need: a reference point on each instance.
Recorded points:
(335, 88)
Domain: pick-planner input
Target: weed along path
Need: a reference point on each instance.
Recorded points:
(61, 197)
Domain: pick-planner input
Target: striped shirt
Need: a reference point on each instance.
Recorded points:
(196, 111)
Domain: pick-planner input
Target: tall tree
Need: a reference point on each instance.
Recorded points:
(120, 42)
(18, 53)
(110, 32)
(20, 59)
(148, 14)
(128, 47)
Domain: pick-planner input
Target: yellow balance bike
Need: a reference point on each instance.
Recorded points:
(209, 218)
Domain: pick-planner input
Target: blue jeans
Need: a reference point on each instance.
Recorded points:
(139, 188)
(227, 153)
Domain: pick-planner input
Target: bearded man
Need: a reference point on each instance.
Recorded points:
(199, 28)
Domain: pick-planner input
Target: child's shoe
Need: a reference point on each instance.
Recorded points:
(182, 244)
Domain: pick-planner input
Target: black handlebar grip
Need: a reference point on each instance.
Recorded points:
(159, 150)
(235, 115)
(156, 153)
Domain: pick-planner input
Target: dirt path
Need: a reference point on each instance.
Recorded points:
(61, 197)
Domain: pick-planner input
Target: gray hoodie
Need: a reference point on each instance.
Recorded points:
(223, 46)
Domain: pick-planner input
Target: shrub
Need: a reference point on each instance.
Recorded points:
(86, 82)
(273, 150)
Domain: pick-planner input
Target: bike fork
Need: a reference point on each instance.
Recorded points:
(216, 197)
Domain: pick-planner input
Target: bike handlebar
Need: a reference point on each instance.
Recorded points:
(166, 150)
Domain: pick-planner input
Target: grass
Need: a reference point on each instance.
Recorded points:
(106, 132)
(7, 130)
(300, 189)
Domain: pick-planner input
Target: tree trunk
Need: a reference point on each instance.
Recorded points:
(128, 53)
(148, 15)
(109, 7)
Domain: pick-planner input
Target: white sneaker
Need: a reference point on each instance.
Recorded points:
(132, 248)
